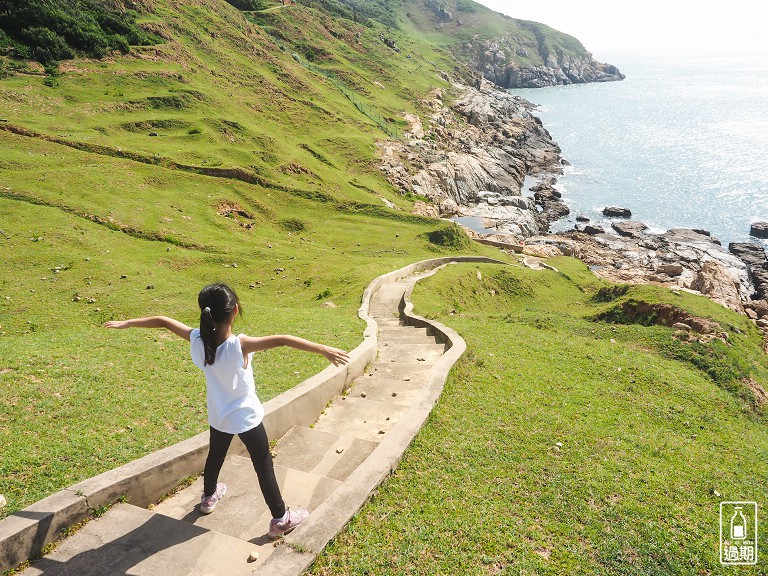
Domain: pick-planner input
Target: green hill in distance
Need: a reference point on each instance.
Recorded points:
(507, 51)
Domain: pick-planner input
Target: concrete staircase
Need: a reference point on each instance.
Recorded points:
(312, 464)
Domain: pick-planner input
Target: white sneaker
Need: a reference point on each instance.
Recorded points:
(208, 503)
(293, 518)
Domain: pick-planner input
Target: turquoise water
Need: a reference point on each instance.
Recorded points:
(681, 142)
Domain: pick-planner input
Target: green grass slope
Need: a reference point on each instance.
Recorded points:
(567, 445)
(459, 26)
(260, 173)
(219, 93)
(86, 239)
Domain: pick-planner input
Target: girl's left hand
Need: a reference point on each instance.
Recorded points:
(116, 324)
(335, 356)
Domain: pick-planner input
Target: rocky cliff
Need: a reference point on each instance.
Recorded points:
(473, 157)
(515, 53)
(501, 62)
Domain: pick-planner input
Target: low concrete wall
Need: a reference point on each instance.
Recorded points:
(506, 245)
(24, 534)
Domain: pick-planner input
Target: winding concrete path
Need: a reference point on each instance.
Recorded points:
(330, 467)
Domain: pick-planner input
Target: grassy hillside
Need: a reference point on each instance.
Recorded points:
(134, 180)
(79, 400)
(455, 25)
(219, 92)
(563, 444)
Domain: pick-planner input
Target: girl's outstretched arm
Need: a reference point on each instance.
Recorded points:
(255, 344)
(153, 322)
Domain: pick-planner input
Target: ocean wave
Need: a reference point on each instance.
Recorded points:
(571, 170)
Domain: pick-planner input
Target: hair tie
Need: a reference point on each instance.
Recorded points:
(207, 309)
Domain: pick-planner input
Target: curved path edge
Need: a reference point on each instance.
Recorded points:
(24, 534)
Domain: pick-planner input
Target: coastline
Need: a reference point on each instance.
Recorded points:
(680, 142)
(475, 162)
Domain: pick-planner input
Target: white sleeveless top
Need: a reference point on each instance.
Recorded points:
(233, 406)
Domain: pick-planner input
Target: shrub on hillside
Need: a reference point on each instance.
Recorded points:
(466, 6)
(45, 45)
(52, 30)
(383, 11)
(250, 4)
(451, 237)
(6, 44)
(292, 225)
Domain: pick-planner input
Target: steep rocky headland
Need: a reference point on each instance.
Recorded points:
(514, 53)
(496, 60)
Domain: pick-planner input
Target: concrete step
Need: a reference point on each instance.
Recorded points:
(401, 330)
(322, 453)
(399, 370)
(389, 321)
(395, 390)
(406, 338)
(409, 353)
(139, 542)
(242, 513)
(359, 417)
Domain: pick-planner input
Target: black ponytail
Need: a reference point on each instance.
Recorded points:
(208, 335)
(216, 301)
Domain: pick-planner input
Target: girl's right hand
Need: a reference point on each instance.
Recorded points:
(116, 324)
(335, 356)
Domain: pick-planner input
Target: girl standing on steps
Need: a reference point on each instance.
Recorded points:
(233, 407)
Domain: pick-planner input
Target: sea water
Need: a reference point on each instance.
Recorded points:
(682, 142)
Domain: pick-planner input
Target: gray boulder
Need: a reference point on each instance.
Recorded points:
(629, 229)
(753, 255)
(591, 229)
(759, 229)
(670, 269)
(616, 212)
(516, 201)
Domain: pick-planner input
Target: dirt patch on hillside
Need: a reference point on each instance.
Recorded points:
(761, 396)
(297, 169)
(233, 211)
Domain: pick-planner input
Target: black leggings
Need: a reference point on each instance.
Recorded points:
(256, 442)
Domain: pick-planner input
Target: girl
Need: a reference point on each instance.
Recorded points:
(233, 407)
